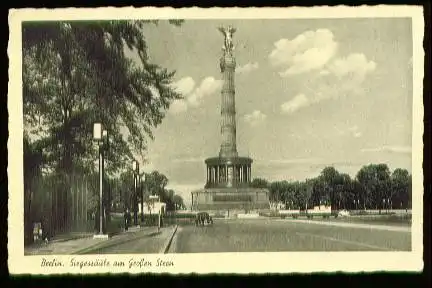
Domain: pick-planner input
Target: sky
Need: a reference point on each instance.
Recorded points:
(309, 94)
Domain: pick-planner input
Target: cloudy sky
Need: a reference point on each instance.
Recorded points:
(309, 93)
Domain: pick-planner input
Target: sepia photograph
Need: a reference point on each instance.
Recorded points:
(192, 136)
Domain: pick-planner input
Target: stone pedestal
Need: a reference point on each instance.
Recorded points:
(239, 199)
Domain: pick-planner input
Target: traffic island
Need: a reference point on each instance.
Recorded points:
(101, 236)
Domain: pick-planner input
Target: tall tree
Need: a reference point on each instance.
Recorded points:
(401, 188)
(155, 184)
(331, 178)
(77, 73)
(375, 179)
(178, 202)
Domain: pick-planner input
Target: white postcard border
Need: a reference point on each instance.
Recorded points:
(280, 262)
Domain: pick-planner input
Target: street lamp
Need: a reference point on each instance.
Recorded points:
(135, 168)
(142, 181)
(99, 135)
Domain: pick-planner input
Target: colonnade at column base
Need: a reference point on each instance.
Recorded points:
(226, 172)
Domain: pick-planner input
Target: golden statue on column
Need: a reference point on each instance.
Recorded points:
(228, 34)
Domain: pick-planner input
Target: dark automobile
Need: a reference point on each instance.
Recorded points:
(203, 218)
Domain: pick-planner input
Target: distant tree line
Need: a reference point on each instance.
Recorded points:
(373, 187)
(153, 183)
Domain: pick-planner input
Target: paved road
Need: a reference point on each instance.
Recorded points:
(281, 235)
(148, 243)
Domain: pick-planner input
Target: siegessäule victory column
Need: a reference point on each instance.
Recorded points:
(228, 175)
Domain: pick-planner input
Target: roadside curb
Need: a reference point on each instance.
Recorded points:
(167, 243)
(114, 242)
(70, 238)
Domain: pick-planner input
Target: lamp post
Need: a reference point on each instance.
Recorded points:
(135, 167)
(99, 135)
(142, 181)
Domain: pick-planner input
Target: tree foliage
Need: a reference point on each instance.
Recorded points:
(77, 73)
(259, 183)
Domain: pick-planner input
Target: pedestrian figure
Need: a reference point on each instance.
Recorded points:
(127, 217)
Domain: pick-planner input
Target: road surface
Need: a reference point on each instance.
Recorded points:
(285, 235)
(147, 243)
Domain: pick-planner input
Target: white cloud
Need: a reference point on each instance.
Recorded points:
(308, 51)
(341, 77)
(299, 101)
(247, 68)
(392, 149)
(185, 85)
(255, 117)
(208, 86)
(354, 65)
(193, 97)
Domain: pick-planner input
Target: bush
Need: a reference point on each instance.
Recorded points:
(115, 225)
(151, 220)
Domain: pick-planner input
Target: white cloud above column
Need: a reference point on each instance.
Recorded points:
(193, 95)
(308, 51)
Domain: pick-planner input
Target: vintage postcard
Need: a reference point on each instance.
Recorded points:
(222, 140)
